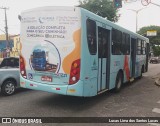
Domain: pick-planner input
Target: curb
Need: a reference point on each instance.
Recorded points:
(157, 81)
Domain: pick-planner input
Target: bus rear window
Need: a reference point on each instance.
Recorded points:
(91, 36)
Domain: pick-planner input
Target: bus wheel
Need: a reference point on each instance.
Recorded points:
(119, 82)
(141, 73)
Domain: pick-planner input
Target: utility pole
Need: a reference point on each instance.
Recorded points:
(6, 26)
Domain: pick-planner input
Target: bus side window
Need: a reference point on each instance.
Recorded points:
(102, 43)
(139, 47)
(126, 44)
(143, 47)
(116, 42)
(91, 36)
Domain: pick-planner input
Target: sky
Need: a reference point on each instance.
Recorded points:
(149, 15)
(146, 17)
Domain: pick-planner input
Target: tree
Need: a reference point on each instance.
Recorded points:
(156, 50)
(154, 40)
(102, 8)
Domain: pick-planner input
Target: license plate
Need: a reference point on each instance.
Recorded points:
(46, 78)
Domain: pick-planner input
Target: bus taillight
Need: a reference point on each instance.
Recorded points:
(22, 67)
(75, 72)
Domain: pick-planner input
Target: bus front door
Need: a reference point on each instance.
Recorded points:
(133, 56)
(103, 59)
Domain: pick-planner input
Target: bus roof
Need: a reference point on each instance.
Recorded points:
(47, 8)
(111, 24)
(98, 18)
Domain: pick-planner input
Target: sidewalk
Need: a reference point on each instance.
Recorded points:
(157, 80)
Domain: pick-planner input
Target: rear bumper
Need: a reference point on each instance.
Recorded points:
(74, 90)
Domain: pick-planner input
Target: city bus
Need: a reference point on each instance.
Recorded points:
(91, 55)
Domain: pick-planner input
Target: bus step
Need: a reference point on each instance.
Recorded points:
(100, 92)
(131, 79)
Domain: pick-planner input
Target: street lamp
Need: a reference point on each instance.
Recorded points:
(136, 11)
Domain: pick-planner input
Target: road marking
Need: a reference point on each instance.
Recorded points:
(145, 75)
(154, 124)
(158, 102)
(156, 110)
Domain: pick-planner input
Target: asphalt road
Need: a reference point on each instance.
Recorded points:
(140, 98)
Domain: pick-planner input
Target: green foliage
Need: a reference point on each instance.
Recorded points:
(102, 8)
(154, 40)
(156, 50)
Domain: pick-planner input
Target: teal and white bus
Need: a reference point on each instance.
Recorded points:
(89, 54)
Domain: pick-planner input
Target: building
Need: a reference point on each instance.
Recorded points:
(16, 45)
(3, 37)
(5, 48)
(10, 48)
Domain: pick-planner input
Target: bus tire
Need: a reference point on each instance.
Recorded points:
(119, 82)
(141, 73)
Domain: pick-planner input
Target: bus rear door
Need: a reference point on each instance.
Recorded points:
(103, 57)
